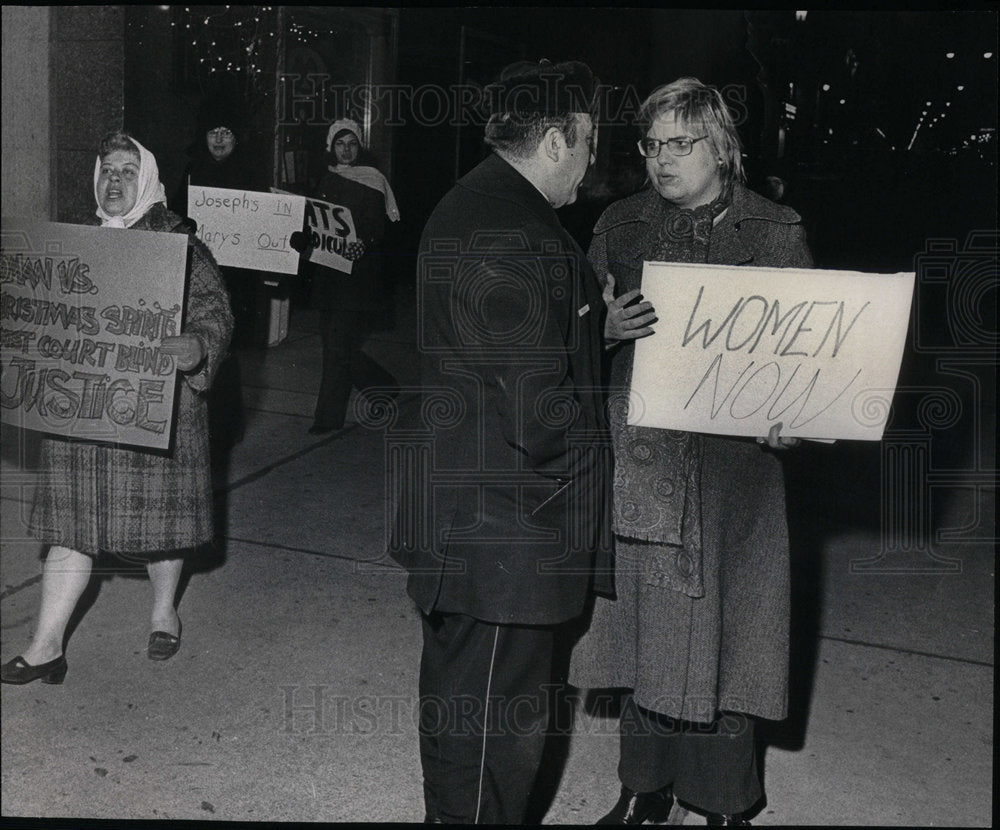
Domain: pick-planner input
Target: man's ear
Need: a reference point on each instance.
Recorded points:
(553, 143)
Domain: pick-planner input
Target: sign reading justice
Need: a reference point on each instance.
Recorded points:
(738, 349)
(82, 313)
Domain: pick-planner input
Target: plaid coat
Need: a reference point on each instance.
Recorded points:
(102, 497)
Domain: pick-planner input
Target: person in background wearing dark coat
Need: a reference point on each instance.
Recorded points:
(699, 629)
(146, 504)
(220, 158)
(351, 304)
(503, 551)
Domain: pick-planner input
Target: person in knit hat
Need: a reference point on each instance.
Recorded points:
(349, 303)
(220, 157)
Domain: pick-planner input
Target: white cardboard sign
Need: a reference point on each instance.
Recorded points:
(738, 349)
(83, 311)
(331, 229)
(246, 228)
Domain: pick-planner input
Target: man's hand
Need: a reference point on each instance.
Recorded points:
(625, 321)
(186, 348)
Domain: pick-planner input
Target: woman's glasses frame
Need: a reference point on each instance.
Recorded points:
(680, 146)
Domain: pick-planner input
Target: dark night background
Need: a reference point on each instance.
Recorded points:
(882, 123)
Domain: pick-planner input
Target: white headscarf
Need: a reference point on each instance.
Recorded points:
(368, 176)
(151, 191)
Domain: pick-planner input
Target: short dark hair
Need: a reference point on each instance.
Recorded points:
(520, 135)
(529, 99)
(117, 141)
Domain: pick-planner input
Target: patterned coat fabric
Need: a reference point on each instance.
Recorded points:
(102, 497)
(512, 512)
(690, 656)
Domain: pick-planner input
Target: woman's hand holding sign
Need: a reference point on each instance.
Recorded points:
(626, 318)
(354, 250)
(776, 441)
(188, 350)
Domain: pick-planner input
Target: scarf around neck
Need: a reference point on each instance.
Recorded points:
(150, 192)
(370, 177)
(657, 487)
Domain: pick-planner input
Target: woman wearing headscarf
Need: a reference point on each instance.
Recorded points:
(698, 633)
(351, 303)
(144, 504)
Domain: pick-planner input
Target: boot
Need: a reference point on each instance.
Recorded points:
(636, 808)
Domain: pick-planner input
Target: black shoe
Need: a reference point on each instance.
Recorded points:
(726, 820)
(636, 808)
(162, 646)
(18, 671)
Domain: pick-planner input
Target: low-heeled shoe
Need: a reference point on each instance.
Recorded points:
(162, 646)
(636, 808)
(19, 671)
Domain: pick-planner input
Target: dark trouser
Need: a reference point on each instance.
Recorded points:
(481, 769)
(345, 365)
(248, 300)
(226, 415)
(712, 767)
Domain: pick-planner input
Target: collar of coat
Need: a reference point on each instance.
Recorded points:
(645, 210)
(496, 179)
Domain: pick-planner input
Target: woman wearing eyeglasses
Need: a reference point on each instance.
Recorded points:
(699, 630)
(220, 157)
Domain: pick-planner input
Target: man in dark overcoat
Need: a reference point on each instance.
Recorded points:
(503, 522)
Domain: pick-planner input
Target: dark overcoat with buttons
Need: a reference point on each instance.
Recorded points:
(727, 650)
(503, 508)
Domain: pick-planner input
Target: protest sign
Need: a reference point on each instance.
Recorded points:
(247, 229)
(332, 228)
(83, 311)
(737, 350)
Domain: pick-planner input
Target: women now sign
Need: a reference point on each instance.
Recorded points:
(738, 349)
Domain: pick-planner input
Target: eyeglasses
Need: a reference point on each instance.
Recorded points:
(680, 146)
(221, 132)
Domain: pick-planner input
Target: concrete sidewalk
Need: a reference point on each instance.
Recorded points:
(293, 697)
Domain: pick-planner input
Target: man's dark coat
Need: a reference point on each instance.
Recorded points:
(503, 508)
